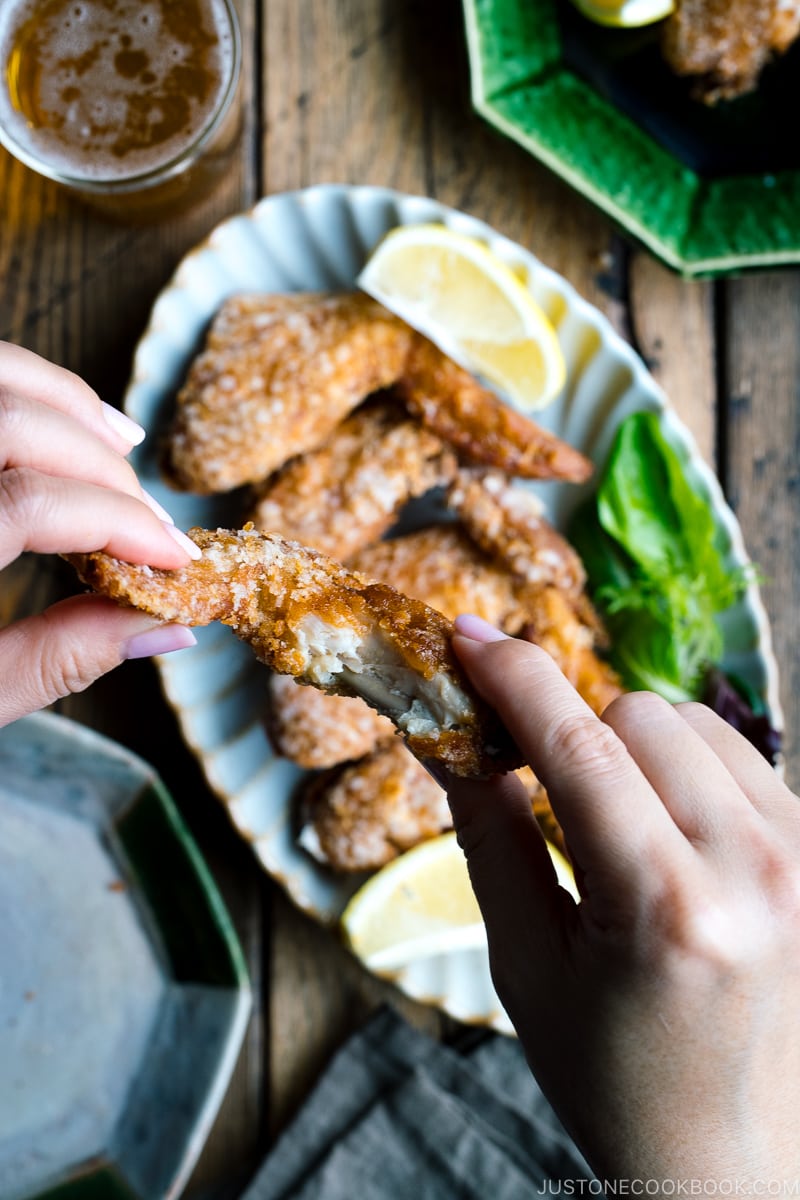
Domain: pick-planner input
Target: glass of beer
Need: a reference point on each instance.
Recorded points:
(132, 104)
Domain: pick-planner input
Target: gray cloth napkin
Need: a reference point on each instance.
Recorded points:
(397, 1114)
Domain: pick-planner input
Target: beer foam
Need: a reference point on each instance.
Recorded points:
(110, 89)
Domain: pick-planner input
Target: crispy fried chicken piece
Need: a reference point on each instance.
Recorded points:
(273, 384)
(318, 730)
(361, 816)
(307, 616)
(348, 492)
(507, 523)
(443, 567)
(725, 44)
(483, 429)
(557, 627)
(438, 565)
(277, 376)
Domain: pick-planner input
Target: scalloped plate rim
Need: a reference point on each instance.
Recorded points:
(142, 389)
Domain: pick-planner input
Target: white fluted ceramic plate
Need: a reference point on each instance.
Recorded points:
(316, 239)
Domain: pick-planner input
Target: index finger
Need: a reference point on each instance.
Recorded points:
(27, 374)
(612, 818)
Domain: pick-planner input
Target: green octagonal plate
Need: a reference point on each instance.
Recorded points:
(709, 191)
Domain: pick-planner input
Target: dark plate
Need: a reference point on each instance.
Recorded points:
(709, 190)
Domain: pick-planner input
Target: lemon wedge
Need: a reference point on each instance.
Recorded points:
(456, 291)
(625, 14)
(422, 904)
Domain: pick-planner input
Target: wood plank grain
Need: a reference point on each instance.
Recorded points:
(337, 106)
(672, 325)
(761, 379)
(319, 994)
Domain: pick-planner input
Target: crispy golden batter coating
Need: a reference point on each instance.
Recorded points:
(443, 567)
(483, 429)
(439, 566)
(507, 523)
(307, 616)
(317, 730)
(278, 374)
(348, 492)
(276, 377)
(558, 628)
(362, 816)
(725, 44)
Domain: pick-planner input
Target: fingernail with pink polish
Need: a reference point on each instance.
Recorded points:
(157, 508)
(161, 640)
(183, 541)
(478, 630)
(123, 425)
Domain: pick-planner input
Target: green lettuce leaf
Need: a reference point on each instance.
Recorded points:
(650, 545)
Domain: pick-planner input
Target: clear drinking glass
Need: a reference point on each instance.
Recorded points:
(134, 105)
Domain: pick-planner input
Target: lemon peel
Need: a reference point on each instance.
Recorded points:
(422, 904)
(454, 289)
(625, 14)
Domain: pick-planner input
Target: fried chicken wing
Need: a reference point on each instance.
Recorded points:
(443, 567)
(276, 377)
(363, 815)
(318, 730)
(274, 382)
(557, 626)
(348, 492)
(483, 429)
(725, 44)
(307, 616)
(507, 523)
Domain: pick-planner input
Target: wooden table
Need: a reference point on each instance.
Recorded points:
(371, 91)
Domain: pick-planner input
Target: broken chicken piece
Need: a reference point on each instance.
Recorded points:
(307, 616)
(438, 565)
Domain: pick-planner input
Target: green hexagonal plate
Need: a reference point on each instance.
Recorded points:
(701, 222)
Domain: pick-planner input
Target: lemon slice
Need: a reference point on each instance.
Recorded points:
(625, 14)
(422, 904)
(457, 292)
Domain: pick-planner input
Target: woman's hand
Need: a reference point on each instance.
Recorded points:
(660, 1014)
(65, 486)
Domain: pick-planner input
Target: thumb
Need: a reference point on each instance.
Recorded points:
(69, 645)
